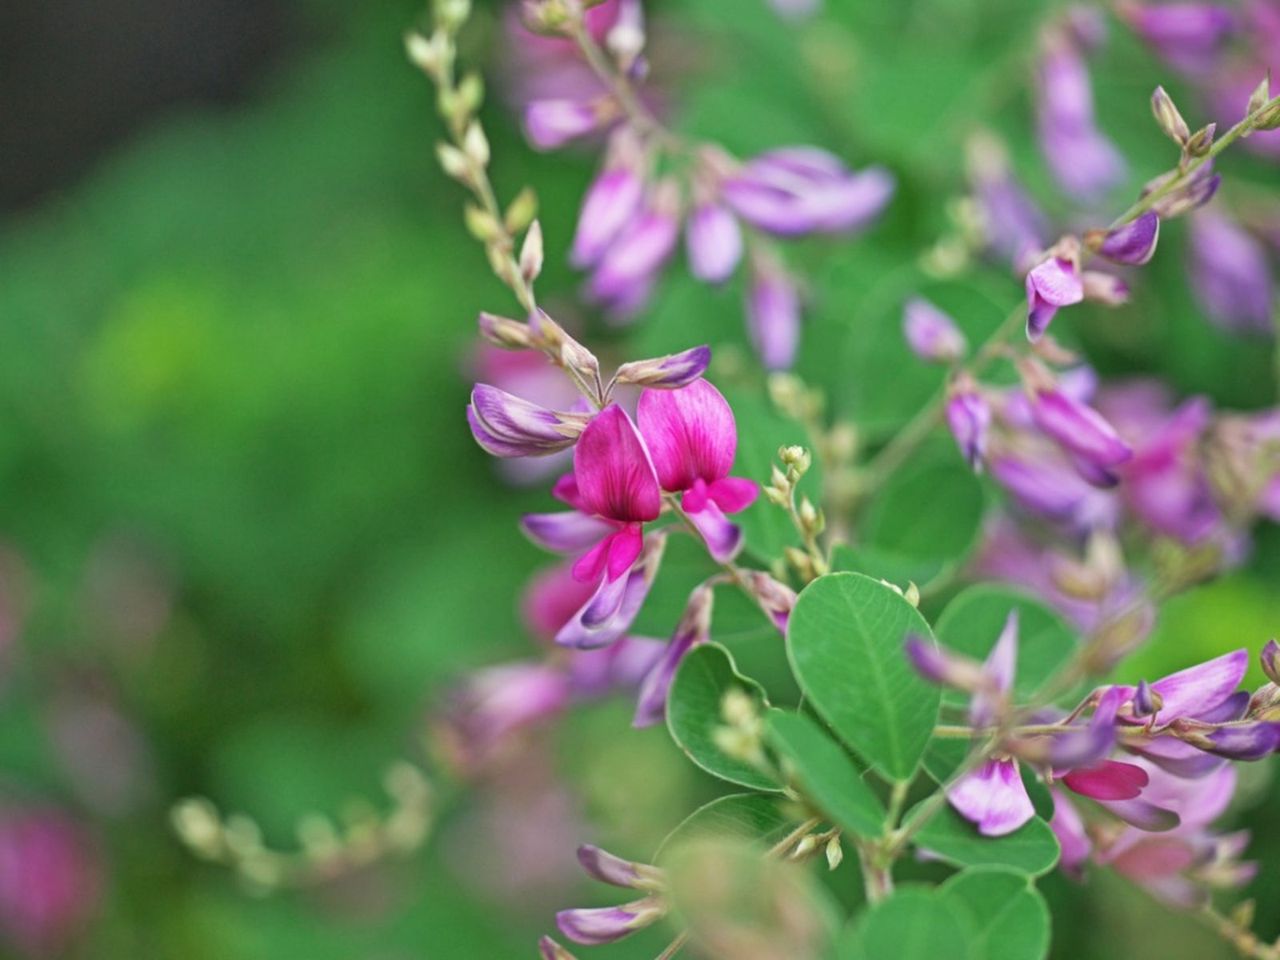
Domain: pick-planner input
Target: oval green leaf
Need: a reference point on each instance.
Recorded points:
(748, 816)
(1008, 917)
(1032, 848)
(915, 923)
(824, 774)
(845, 640)
(705, 675)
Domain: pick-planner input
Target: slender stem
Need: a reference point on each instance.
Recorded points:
(1245, 941)
(674, 947)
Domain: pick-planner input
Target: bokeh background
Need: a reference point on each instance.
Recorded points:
(246, 542)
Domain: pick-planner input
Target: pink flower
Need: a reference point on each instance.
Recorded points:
(1051, 284)
(616, 482)
(692, 438)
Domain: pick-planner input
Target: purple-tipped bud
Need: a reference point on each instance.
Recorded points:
(1104, 288)
(667, 373)
(1051, 284)
(1249, 741)
(1087, 747)
(1146, 700)
(714, 241)
(506, 426)
(610, 203)
(940, 666)
(607, 924)
(1079, 429)
(1169, 118)
(611, 869)
(1195, 192)
(1271, 661)
(550, 950)
(969, 418)
(694, 628)
(773, 317)
(931, 334)
(505, 332)
(1230, 274)
(776, 599)
(1133, 243)
(552, 123)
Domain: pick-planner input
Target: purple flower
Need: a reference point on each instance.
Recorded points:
(1084, 162)
(606, 924)
(616, 482)
(609, 205)
(777, 600)
(694, 628)
(1195, 192)
(493, 704)
(969, 418)
(1230, 275)
(1051, 487)
(773, 316)
(506, 426)
(50, 880)
(1190, 36)
(692, 439)
(939, 665)
(1053, 283)
(608, 614)
(627, 270)
(799, 190)
(1014, 226)
(930, 333)
(714, 241)
(993, 797)
(552, 123)
(1133, 243)
(1080, 430)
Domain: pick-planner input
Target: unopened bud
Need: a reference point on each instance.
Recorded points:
(1242, 914)
(1261, 94)
(1270, 658)
(476, 145)
(912, 594)
(454, 162)
(531, 252)
(1146, 700)
(470, 92)
(481, 224)
(452, 14)
(1201, 141)
(835, 852)
(1169, 118)
(810, 516)
(522, 211)
(426, 54)
(805, 847)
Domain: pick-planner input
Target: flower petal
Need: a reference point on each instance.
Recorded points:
(612, 468)
(1108, 780)
(690, 433)
(993, 797)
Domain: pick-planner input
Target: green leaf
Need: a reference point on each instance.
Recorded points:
(922, 524)
(1031, 848)
(915, 923)
(845, 641)
(750, 816)
(705, 675)
(971, 624)
(1007, 914)
(825, 774)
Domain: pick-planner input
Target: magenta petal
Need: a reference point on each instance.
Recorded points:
(1080, 429)
(690, 433)
(993, 797)
(1192, 692)
(588, 567)
(733, 494)
(614, 475)
(723, 537)
(1133, 243)
(1144, 815)
(1108, 780)
(624, 547)
(1052, 284)
(608, 205)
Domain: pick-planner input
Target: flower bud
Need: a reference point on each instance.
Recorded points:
(504, 332)
(454, 162)
(1261, 94)
(1132, 243)
(775, 599)
(1201, 141)
(773, 315)
(476, 145)
(570, 354)
(1146, 700)
(969, 418)
(531, 252)
(667, 373)
(507, 426)
(931, 334)
(834, 852)
(599, 925)
(552, 123)
(1053, 283)
(1169, 118)
(714, 242)
(1270, 658)
(550, 950)
(939, 665)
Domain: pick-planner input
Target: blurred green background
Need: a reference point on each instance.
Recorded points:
(248, 541)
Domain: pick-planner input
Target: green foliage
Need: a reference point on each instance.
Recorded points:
(825, 774)
(1008, 917)
(915, 923)
(1032, 848)
(695, 712)
(845, 640)
(746, 816)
